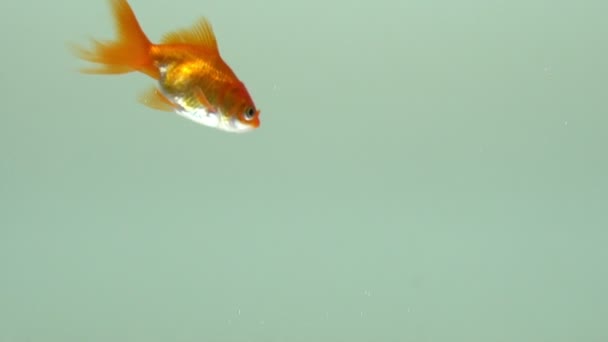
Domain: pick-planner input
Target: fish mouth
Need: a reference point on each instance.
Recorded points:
(236, 126)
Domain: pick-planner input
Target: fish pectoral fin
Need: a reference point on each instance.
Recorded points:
(200, 96)
(153, 98)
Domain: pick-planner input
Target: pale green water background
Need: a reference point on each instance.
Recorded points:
(425, 171)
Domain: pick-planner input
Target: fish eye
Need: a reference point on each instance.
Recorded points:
(249, 113)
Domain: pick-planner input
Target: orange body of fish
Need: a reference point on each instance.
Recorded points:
(192, 78)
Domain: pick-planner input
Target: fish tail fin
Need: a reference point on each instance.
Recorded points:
(129, 52)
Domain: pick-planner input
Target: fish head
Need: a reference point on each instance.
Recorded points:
(240, 113)
(246, 118)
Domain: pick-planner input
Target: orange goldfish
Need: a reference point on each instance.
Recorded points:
(193, 79)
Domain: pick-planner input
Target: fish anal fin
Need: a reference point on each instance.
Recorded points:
(153, 98)
(201, 33)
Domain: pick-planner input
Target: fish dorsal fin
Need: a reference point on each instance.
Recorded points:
(201, 33)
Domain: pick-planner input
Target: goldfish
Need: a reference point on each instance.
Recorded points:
(191, 77)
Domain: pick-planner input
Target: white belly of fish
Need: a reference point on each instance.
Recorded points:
(204, 117)
(200, 116)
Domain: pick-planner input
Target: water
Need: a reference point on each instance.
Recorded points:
(424, 172)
